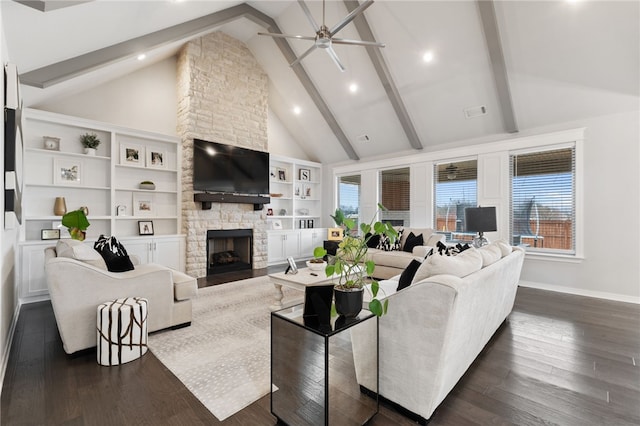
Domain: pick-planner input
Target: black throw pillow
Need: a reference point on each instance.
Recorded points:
(114, 254)
(373, 241)
(407, 275)
(412, 241)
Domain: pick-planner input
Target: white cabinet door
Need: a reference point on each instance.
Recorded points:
(281, 245)
(168, 252)
(309, 240)
(291, 244)
(33, 280)
(139, 248)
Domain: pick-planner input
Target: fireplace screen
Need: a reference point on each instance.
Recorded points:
(229, 250)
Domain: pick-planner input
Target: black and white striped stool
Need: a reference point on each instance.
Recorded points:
(122, 330)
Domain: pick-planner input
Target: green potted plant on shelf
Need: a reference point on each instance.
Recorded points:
(77, 223)
(90, 142)
(352, 267)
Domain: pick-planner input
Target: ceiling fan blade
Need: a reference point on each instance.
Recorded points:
(333, 55)
(304, 55)
(340, 25)
(307, 12)
(357, 42)
(278, 35)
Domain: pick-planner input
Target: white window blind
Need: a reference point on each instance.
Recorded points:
(394, 196)
(349, 197)
(456, 188)
(543, 200)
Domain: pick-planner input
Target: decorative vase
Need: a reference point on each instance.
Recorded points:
(59, 206)
(348, 301)
(90, 151)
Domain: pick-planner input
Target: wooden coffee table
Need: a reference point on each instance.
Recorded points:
(299, 281)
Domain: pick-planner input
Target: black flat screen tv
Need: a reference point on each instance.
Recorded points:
(229, 169)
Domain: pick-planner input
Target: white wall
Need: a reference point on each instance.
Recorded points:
(8, 245)
(145, 100)
(280, 140)
(611, 181)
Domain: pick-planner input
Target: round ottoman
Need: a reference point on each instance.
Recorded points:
(122, 330)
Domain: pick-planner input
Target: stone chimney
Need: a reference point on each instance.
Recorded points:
(222, 97)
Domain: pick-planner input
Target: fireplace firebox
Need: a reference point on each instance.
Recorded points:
(229, 250)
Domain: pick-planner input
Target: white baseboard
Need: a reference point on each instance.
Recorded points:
(581, 292)
(7, 346)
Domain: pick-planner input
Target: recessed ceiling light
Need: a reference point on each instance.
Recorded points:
(142, 57)
(353, 87)
(297, 110)
(427, 56)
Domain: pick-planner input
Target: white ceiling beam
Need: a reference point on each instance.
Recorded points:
(364, 30)
(498, 65)
(49, 5)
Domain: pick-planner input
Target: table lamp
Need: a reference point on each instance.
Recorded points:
(480, 220)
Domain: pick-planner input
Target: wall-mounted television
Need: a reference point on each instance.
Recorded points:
(229, 169)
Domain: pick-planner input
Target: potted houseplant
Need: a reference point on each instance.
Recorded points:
(77, 223)
(352, 267)
(90, 142)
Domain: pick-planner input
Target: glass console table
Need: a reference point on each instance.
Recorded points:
(313, 376)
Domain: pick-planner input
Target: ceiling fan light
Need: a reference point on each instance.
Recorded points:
(451, 171)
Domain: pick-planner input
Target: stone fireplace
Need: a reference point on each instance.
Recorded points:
(222, 97)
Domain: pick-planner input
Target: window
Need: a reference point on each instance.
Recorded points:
(394, 196)
(543, 200)
(349, 197)
(455, 189)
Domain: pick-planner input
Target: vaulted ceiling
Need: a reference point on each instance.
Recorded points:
(527, 63)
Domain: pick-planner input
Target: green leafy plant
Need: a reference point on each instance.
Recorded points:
(90, 140)
(350, 262)
(77, 223)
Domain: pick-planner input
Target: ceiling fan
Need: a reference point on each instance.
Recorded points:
(324, 37)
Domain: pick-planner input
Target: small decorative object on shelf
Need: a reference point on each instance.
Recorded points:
(145, 227)
(50, 234)
(276, 195)
(77, 223)
(282, 174)
(121, 210)
(305, 174)
(269, 212)
(51, 143)
(59, 206)
(147, 184)
(90, 142)
(85, 210)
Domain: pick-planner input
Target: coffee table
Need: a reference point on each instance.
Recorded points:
(303, 279)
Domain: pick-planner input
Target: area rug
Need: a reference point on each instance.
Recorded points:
(223, 358)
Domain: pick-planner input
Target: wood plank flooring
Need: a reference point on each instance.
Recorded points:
(558, 359)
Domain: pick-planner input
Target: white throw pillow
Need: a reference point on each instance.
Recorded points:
(467, 262)
(490, 253)
(504, 247)
(77, 250)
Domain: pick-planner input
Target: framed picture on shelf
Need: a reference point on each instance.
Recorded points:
(276, 224)
(298, 191)
(282, 174)
(304, 174)
(132, 154)
(269, 212)
(145, 227)
(156, 159)
(67, 171)
(306, 191)
(335, 234)
(143, 204)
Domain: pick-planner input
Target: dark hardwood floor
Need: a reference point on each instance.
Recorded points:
(558, 359)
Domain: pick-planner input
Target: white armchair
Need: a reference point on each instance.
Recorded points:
(77, 287)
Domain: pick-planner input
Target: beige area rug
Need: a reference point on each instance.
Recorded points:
(223, 358)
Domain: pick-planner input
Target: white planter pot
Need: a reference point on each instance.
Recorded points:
(90, 151)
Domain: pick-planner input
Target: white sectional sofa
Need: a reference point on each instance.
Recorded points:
(391, 263)
(437, 326)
